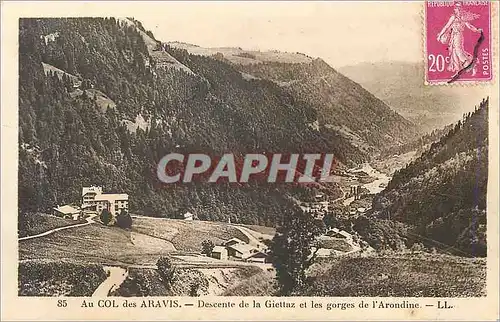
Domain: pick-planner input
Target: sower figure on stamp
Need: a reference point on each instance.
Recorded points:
(452, 34)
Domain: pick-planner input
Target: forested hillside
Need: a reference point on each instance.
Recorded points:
(346, 112)
(101, 101)
(342, 105)
(83, 85)
(442, 194)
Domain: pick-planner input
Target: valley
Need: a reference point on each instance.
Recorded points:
(129, 258)
(130, 254)
(101, 101)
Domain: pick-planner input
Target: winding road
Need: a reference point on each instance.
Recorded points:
(89, 219)
(116, 276)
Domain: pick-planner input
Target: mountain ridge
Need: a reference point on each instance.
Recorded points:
(439, 199)
(401, 86)
(186, 103)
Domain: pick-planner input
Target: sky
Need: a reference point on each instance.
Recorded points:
(341, 33)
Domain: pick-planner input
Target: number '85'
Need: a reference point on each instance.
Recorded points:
(437, 63)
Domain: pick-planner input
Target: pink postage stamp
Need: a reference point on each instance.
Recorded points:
(458, 41)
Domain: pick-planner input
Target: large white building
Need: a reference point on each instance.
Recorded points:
(92, 197)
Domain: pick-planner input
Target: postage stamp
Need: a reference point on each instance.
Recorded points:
(458, 41)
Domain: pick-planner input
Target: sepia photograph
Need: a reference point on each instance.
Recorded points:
(332, 150)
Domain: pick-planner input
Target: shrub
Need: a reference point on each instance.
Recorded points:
(207, 247)
(106, 216)
(166, 269)
(123, 220)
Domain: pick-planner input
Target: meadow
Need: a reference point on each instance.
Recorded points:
(186, 236)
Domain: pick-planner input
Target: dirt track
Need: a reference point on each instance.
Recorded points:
(90, 220)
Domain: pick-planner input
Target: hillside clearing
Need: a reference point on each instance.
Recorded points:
(395, 276)
(36, 223)
(271, 231)
(244, 57)
(97, 244)
(149, 239)
(186, 235)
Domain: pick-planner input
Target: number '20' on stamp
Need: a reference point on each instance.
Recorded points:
(458, 41)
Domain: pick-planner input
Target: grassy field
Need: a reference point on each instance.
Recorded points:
(410, 275)
(96, 243)
(57, 278)
(36, 223)
(55, 264)
(262, 229)
(185, 235)
(149, 239)
(390, 164)
(378, 276)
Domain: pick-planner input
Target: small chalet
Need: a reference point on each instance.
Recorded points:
(241, 251)
(337, 233)
(219, 252)
(258, 257)
(67, 211)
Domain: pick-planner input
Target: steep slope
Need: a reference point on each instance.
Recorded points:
(401, 86)
(442, 194)
(165, 101)
(344, 109)
(342, 105)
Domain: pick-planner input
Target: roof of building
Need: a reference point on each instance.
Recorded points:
(243, 248)
(111, 196)
(188, 214)
(66, 209)
(93, 189)
(237, 240)
(258, 254)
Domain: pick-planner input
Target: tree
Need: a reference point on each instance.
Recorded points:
(167, 271)
(193, 288)
(123, 220)
(106, 216)
(291, 253)
(207, 247)
(330, 220)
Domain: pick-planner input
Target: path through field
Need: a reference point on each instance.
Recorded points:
(90, 220)
(116, 276)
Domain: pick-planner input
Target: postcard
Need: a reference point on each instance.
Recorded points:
(250, 160)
